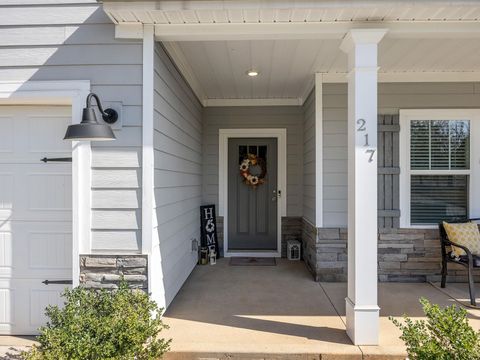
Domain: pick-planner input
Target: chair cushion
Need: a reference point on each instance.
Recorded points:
(465, 234)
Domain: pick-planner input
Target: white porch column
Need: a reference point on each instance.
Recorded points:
(150, 239)
(362, 310)
(318, 150)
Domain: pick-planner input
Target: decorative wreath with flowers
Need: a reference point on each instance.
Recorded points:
(249, 178)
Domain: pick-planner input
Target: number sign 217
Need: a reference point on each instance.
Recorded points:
(361, 127)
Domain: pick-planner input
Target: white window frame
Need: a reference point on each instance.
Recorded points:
(406, 116)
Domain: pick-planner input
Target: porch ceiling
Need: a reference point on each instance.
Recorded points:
(214, 43)
(286, 67)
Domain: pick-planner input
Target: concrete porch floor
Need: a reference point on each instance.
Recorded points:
(278, 312)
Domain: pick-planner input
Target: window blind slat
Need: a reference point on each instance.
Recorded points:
(438, 197)
(440, 144)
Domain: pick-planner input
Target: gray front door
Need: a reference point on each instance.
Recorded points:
(252, 210)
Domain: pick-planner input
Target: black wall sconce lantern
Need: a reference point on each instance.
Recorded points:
(89, 129)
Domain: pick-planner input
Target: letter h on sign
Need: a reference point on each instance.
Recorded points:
(208, 231)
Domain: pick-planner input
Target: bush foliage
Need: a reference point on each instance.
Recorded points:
(444, 335)
(100, 324)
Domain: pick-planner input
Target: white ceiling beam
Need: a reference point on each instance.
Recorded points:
(270, 4)
(304, 30)
(253, 102)
(415, 77)
(339, 78)
(244, 31)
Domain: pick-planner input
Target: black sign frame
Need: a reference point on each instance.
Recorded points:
(208, 229)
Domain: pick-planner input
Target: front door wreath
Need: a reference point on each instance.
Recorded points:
(250, 178)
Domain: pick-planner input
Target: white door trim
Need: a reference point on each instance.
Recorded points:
(281, 136)
(64, 93)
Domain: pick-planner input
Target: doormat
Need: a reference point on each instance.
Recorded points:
(252, 261)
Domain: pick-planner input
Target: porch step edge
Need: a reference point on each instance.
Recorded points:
(180, 355)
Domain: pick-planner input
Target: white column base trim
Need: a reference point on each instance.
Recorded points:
(362, 323)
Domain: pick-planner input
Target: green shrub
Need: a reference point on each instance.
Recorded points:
(444, 335)
(102, 325)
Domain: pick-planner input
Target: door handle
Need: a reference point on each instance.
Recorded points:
(276, 195)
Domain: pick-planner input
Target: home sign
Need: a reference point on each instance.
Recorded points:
(208, 233)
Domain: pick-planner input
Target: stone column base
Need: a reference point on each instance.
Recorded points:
(106, 271)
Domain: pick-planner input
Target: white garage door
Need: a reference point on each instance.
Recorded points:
(35, 214)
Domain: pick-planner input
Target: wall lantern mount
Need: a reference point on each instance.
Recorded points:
(89, 129)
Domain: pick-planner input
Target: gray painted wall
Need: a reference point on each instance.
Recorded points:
(309, 159)
(75, 41)
(178, 171)
(392, 98)
(289, 117)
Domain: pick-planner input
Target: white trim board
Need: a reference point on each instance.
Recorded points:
(71, 93)
(254, 102)
(438, 114)
(224, 136)
(150, 236)
(182, 64)
(341, 78)
(146, 5)
(412, 76)
(319, 150)
(313, 30)
(147, 139)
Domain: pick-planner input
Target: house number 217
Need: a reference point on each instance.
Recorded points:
(361, 127)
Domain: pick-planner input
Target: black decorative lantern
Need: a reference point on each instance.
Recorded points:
(89, 129)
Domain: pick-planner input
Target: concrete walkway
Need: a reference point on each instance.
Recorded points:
(278, 312)
(12, 346)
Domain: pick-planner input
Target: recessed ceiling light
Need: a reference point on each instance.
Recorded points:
(252, 73)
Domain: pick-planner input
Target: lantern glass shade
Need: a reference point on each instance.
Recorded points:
(89, 129)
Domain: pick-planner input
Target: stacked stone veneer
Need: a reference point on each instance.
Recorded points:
(106, 271)
(325, 252)
(404, 255)
(291, 230)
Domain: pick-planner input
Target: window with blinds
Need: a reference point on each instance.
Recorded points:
(439, 170)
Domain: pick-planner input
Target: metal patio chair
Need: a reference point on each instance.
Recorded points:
(469, 260)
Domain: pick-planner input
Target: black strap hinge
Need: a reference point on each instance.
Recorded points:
(65, 159)
(66, 282)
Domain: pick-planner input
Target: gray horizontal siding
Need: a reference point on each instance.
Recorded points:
(289, 117)
(392, 97)
(74, 40)
(51, 13)
(178, 171)
(309, 158)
